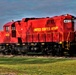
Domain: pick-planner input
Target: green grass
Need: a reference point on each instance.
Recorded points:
(37, 66)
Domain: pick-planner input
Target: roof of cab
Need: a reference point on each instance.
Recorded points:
(8, 24)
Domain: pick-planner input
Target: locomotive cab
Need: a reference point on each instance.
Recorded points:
(7, 32)
(10, 28)
(6, 28)
(10, 33)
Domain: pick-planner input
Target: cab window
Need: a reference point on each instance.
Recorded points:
(13, 27)
(7, 28)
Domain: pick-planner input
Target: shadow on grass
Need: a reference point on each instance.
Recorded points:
(20, 60)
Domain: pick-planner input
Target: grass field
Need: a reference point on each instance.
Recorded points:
(37, 66)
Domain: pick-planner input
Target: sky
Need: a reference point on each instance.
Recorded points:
(18, 9)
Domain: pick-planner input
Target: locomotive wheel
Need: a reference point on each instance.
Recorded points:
(5, 52)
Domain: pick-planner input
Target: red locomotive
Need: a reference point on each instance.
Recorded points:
(49, 36)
